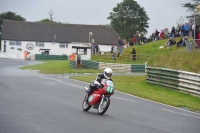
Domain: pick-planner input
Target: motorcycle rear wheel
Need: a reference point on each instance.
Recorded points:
(104, 106)
(85, 104)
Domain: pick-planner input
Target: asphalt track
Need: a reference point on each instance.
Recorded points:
(31, 102)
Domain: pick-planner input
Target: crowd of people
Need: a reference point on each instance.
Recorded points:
(116, 50)
(181, 30)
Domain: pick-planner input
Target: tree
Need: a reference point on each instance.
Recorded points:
(191, 7)
(50, 20)
(51, 15)
(127, 18)
(46, 20)
(180, 21)
(9, 16)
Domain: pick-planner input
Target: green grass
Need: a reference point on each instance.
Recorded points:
(139, 87)
(58, 67)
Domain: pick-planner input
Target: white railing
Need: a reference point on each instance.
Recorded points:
(181, 80)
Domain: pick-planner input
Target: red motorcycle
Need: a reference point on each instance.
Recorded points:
(100, 98)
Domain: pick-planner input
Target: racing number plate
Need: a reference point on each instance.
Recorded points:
(109, 89)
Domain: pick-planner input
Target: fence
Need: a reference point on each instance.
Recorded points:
(50, 57)
(124, 56)
(90, 64)
(114, 66)
(180, 80)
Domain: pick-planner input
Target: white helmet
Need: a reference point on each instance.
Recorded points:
(108, 73)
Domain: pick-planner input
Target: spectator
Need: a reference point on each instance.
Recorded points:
(72, 57)
(153, 36)
(169, 43)
(173, 32)
(198, 41)
(133, 40)
(138, 37)
(196, 32)
(111, 51)
(190, 29)
(186, 29)
(166, 33)
(184, 39)
(157, 35)
(193, 29)
(149, 39)
(178, 29)
(120, 44)
(180, 43)
(114, 52)
(144, 37)
(134, 53)
(182, 30)
(96, 48)
(93, 48)
(125, 45)
(141, 38)
(162, 34)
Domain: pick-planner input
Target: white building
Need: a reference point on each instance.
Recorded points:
(54, 38)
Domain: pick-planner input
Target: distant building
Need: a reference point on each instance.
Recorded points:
(54, 38)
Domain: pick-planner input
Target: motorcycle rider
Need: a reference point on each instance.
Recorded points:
(107, 74)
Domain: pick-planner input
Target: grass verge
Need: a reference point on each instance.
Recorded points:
(58, 67)
(139, 87)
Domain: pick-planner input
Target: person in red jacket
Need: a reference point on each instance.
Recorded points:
(198, 41)
(133, 40)
(162, 34)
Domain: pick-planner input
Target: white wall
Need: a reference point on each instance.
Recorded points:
(105, 48)
(54, 49)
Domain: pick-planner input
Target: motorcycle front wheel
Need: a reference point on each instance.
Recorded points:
(103, 106)
(85, 104)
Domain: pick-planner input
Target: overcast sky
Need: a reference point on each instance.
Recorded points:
(162, 13)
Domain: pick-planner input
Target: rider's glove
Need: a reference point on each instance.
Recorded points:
(97, 84)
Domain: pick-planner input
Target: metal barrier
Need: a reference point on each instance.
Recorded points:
(50, 57)
(90, 64)
(180, 80)
(114, 66)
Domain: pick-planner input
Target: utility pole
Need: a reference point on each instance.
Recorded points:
(90, 34)
(196, 6)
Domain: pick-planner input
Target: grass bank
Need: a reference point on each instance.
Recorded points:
(178, 58)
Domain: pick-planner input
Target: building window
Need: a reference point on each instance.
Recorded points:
(63, 45)
(40, 44)
(82, 51)
(17, 43)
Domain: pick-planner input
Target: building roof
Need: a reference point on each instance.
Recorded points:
(54, 32)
